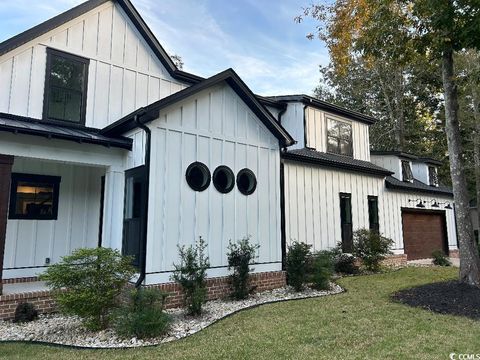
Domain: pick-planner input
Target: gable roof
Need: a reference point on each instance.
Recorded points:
(47, 129)
(323, 105)
(416, 186)
(342, 162)
(133, 15)
(229, 76)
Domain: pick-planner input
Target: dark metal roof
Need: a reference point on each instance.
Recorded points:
(28, 126)
(323, 105)
(428, 160)
(132, 13)
(400, 154)
(151, 112)
(337, 161)
(416, 186)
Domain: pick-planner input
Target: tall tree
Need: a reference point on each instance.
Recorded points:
(394, 31)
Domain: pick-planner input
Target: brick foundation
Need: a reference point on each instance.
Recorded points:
(20, 280)
(454, 254)
(395, 260)
(217, 288)
(42, 301)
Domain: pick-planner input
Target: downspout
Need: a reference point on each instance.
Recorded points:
(143, 253)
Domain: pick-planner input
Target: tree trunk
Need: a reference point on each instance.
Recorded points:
(476, 147)
(469, 258)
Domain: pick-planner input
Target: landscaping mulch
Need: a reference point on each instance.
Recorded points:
(451, 297)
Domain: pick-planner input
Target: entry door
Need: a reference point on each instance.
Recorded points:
(346, 222)
(133, 228)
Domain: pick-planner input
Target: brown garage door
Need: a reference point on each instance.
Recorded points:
(423, 232)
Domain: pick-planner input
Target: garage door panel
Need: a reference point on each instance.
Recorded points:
(423, 232)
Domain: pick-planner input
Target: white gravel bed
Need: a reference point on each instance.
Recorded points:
(67, 330)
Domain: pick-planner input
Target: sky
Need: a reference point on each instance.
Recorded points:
(257, 38)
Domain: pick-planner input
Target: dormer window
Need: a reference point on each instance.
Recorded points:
(433, 176)
(339, 138)
(65, 87)
(407, 171)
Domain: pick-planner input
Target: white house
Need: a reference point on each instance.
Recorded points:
(104, 142)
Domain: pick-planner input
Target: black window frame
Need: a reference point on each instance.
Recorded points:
(432, 176)
(407, 174)
(253, 178)
(33, 178)
(230, 175)
(339, 139)
(346, 222)
(375, 226)
(46, 98)
(204, 168)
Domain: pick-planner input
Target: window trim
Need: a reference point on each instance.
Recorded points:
(329, 118)
(404, 178)
(16, 177)
(46, 94)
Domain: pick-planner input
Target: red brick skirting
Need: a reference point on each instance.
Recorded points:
(395, 260)
(454, 254)
(217, 288)
(20, 280)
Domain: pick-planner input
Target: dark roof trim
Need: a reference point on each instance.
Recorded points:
(323, 105)
(395, 153)
(55, 130)
(377, 171)
(416, 186)
(132, 13)
(269, 102)
(151, 112)
(430, 161)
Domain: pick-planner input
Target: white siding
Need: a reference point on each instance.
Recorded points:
(124, 73)
(30, 242)
(312, 205)
(214, 127)
(420, 172)
(389, 162)
(316, 122)
(292, 121)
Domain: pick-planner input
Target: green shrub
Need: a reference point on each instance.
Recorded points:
(25, 312)
(297, 265)
(143, 317)
(371, 248)
(240, 255)
(191, 275)
(92, 280)
(345, 264)
(440, 259)
(321, 270)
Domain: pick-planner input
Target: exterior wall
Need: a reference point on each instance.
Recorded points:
(293, 121)
(316, 129)
(124, 74)
(389, 162)
(30, 242)
(214, 127)
(420, 172)
(42, 300)
(312, 206)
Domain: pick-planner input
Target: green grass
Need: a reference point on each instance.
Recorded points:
(359, 324)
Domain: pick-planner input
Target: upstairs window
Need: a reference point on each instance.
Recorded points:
(34, 197)
(65, 87)
(432, 176)
(406, 171)
(339, 138)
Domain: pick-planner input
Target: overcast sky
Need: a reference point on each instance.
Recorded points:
(257, 38)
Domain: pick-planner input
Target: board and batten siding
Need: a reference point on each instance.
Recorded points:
(30, 242)
(124, 74)
(312, 205)
(216, 128)
(316, 122)
(389, 162)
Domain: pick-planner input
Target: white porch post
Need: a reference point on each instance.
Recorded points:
(113, 209)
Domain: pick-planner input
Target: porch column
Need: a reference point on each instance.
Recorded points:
(6, 162)
(113, 208)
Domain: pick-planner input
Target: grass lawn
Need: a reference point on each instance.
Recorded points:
(359, 324)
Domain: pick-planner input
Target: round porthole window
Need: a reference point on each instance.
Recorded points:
(246, 182)
(223, 179)
(198, 176)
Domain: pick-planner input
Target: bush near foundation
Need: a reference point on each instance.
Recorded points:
(321, 270)
(240, 255)
(88, 283)
(297, 265)
(191, 275)
(440, 259)
(371, 248)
